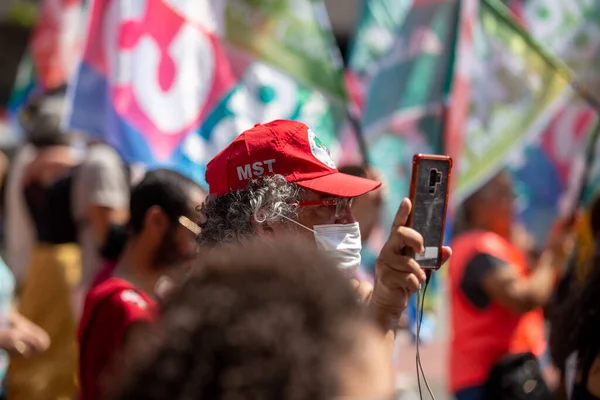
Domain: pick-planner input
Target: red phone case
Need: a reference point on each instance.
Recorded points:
(428, 215)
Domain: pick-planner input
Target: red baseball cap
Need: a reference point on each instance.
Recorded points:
(282, 147)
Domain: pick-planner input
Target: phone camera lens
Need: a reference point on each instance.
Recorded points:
(435, 178)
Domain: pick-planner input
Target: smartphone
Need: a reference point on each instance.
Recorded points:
(429, 189)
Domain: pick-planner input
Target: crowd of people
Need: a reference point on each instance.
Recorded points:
(127, 284)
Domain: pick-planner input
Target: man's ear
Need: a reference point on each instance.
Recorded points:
(264, 230)
(155, 220)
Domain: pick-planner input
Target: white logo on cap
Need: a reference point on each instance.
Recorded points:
(319, 150)
(254, 170)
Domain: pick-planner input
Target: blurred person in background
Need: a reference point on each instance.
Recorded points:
(278, 178)
(19, 337)
(159, 244)
(580, 340)
(581, 264)
(574, 324)
(53, 273)
(19, 229)
(261, 322)
(495, 299)
(100, 207)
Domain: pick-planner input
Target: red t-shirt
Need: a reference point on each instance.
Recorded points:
(110, 310)
(482, 336)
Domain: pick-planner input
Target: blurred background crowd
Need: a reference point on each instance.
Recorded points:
(94, 94)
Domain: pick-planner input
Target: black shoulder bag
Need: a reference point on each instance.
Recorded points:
(517, 377)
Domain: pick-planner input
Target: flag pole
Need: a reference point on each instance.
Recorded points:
(360, 138)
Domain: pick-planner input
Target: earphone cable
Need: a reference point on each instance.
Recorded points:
(419, 365)
(418, 357)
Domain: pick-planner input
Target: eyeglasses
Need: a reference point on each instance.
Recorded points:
(341, 204)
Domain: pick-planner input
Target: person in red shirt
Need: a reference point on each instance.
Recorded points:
(158, 245)
(496, 299)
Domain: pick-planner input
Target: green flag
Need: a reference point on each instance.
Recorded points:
(294, 36)
(516, 88)
(402, 61)
(404, 52)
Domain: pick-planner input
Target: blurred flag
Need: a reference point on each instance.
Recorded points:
(56, 41)
(569, 30)
(172, 82)
(517, 89)
(549, 175)
(22, 12)
(401, 66)
(457, 112)
(24, 84)
(53, 53)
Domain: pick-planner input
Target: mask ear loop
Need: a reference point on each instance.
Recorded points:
(297, 223)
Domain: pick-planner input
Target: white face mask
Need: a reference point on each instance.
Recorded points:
(341, 241)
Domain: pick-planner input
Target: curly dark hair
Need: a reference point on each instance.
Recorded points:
(577, 325)
(234, 217)
(253, 322)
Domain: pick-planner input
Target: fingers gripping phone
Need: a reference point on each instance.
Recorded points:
(429, 189)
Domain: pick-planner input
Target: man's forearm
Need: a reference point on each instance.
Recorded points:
(387, 320)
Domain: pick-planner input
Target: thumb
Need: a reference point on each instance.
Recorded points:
(402, 214)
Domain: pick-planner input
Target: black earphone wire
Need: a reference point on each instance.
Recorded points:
(419, 365)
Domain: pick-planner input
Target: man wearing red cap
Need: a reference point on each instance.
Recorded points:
(277, 178)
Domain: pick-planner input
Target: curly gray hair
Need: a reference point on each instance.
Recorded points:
(236, 216)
